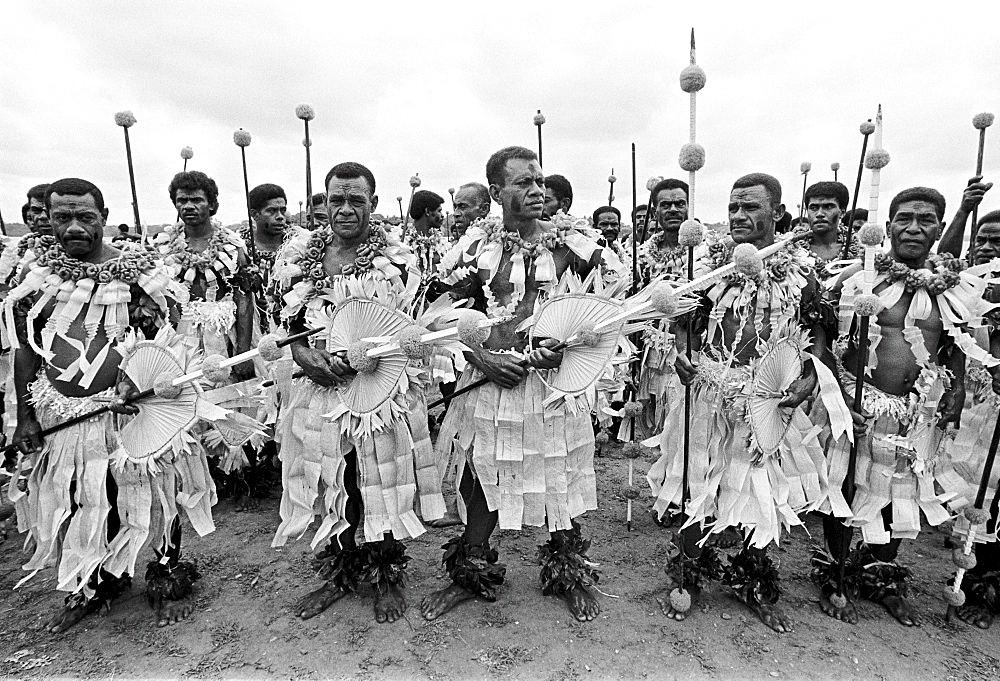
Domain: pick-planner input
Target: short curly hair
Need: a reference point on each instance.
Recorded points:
(262, 193)
(829, 190)
(932, 196)
(422, 202)
(193, 180)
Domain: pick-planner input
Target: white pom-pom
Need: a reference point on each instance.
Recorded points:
(305, 112)
(241, 138)
(871, 234)
(602, 438)
(587, 335)
(663, 299)
(805, 167)
(411, 342)
(187, 153)
(982, 121)
(451, 190)
(125, 119)
(539, 119)
(652, 182)
(839, 601)
(630, 491)
(415, 181)
(964, 560)
(307, 142)
(612, 179)
(834, 166)
(268, 348)
(164, 387)
(747, 260)
(876, 159)
(469, 331)
(213, 370)
(399, 199)
(680, 600)
(976, 516)
(867, 304)
(867, 128)
(692, 157)
(631, 410)
(690, 234)
(954, 598)
(357, 357)
(692, 78)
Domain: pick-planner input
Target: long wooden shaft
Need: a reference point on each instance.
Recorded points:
(246, 188)
(131, 179)
(854, 200)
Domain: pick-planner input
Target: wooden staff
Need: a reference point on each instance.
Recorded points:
(539, 121)
(835, 166)
(414, 183)
(867, 128)
(611, 187)
(306, 113)
(980, 122)
(125, 119)
(400, 200)
(3, 226)
(187, 153)
(804, 169)
(242, 139)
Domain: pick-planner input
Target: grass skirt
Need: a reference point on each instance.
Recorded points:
(394, 463)
(533, 463)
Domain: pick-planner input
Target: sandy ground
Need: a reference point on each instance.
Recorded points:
(244, 627)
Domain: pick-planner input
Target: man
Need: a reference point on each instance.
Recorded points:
(546, 476)
(733, 482)
(954, 236)
(67, 363)
(608, 221)
(639, 220)
(425, 211)
(37, 218)
(915, 389)
(370, 471)
(825, 204)
(558, 196)
(856, 219)
(472, 202)
(320, 218)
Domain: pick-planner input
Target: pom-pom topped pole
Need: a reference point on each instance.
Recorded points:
(650, 184)
(835, 166)
(125, 120)
(611, 187)
(414, 183)
(866, 129)
(399, 200)
(187, 153)
(539, 121)
(980, 122)
(804, 168)
(241, 138)
(306, 114)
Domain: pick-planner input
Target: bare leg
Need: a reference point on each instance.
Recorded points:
(838, 542)
(896, 604)
(768, 612)
(690, 536)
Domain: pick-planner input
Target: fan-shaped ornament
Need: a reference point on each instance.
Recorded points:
(353, 321)
(562, 317)
(770, 378)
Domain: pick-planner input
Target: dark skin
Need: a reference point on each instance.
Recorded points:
(975, 192)
(522, 197)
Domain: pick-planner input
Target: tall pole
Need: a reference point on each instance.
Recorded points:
(242, 139)
(980, 122)
(611, 187)
(539, 122)
(867, 128)
(126, 120)
(804, 169)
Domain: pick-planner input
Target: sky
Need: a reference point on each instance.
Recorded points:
(435, 87)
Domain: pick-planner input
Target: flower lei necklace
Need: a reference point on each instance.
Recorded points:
(856, 250)
(312, 260)
(940, 273)
(181, 255)
(126, 267)
(513, 243)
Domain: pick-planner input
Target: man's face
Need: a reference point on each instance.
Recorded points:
(640, 218)
(467, 208)
(671, 209)
(77, 223)
(38, 217)
(987, 244)
(913, 230)
(609, 225)
(193, 206)
(349, 204)
(271, 218)
(522, 195)
(319, 215)
(857, 224)
(751, 215)
(435, 218)
(823, 214)
(552, 204)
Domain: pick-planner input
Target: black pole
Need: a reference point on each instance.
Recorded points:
(540, 141)
(131, 179)
(979, 171)
(309, 184)
(854, 202)
(246, 187)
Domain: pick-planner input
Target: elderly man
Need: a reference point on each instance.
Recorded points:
(333, 464)
(67, 363)
(558, 196)
(472, 202)
(608, 221)
(519, 463)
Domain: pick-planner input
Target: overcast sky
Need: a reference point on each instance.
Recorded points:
(435, 88)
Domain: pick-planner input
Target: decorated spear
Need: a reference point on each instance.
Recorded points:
(414, 183)
(835, 166)
(611, 187)
(866, 304)
(804, 168)
(187, 153)
(867, 128)
(539, 121)
(125, 119)
(242, 139)
(306, 113)
(980, 122)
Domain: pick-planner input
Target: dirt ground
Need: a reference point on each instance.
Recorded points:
(244, 627)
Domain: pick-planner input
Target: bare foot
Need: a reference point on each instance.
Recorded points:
(440, 602)
(664, 601)
(172, 612)
(901, 610)
(389, 605)
(847, 614)
(70, 615)
(772, 616)
(976, 615)
(582, 603)
(450, 519)
(319, 600)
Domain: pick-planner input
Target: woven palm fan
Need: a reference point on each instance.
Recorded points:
(771, 376)
(561, 317)
(159, 420)
(357, 319)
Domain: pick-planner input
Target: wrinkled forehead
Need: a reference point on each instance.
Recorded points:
(755, 194)
(517, 168)
(918, 208)
(989, 230)
(191, 194)
(607, 217)
(73, 202)
(469, 195)
(348, 185)
(675, 194)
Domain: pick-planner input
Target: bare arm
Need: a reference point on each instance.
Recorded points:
(243, 296)
(953, 400)
(951, 240)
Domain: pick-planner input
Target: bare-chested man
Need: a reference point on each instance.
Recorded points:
(518, 463)
(914, 391)
(65, 366)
